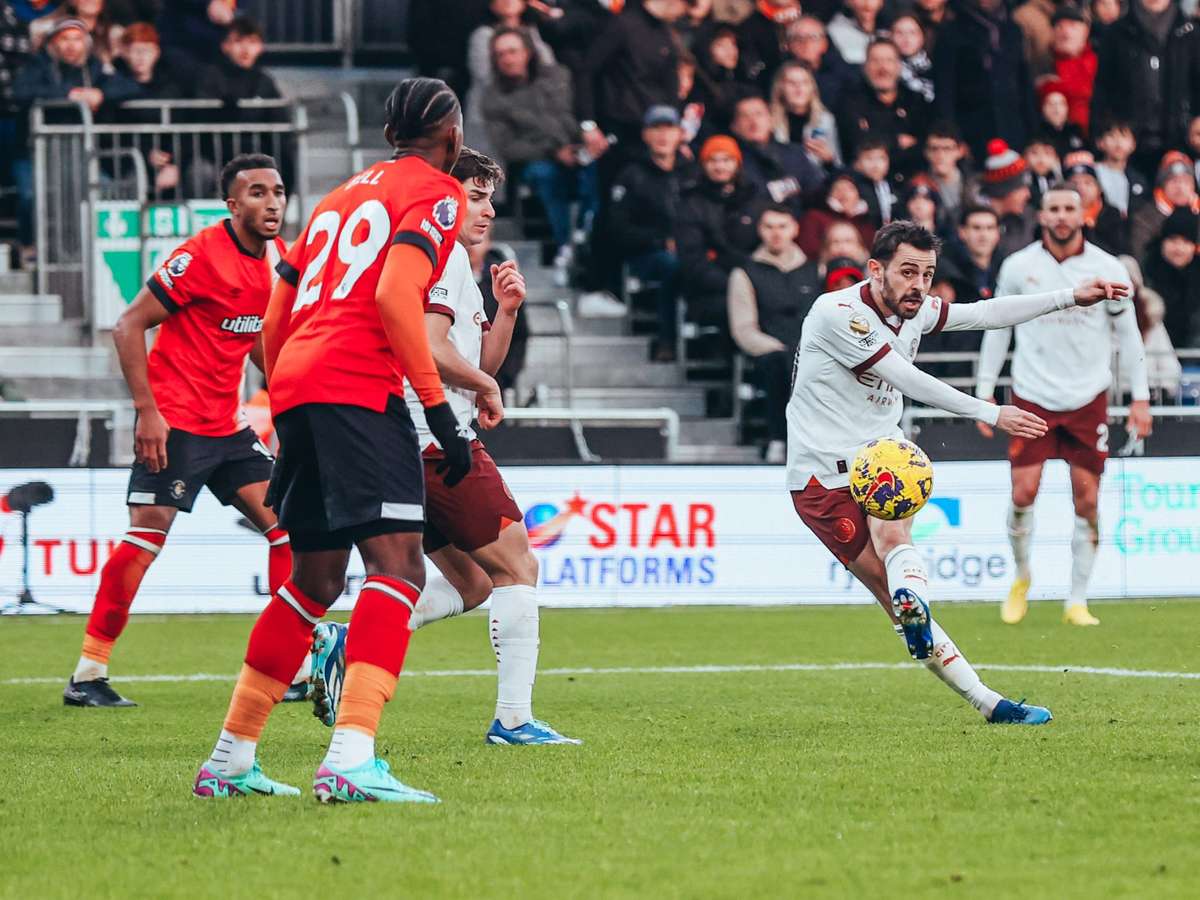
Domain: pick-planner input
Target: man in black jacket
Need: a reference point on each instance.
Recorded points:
(643, 214)
(1149, 76)
(237, 74)
(782, 172)
(763, 34)
(1173, 269)
(981, 81)
(881, 105)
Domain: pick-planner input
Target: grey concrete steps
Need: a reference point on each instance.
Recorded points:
(600, 374)
(617, 350)
(56, 362)
(67, 333)
(28, 309)
(708, 432)
(60, 388)
(689, 453)
(543, 319)
(16, 283)
(686, 401)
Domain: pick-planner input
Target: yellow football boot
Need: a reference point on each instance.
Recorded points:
(1078, 615)
(1017, 603)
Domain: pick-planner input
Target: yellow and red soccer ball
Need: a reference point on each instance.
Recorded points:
(891, 479)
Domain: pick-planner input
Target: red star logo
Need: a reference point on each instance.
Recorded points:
(576, 505)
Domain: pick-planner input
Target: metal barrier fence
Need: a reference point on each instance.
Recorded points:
(326, 27)
(138, 178)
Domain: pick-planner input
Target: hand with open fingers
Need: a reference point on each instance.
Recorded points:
(1092, 292)
(457, 449)
(1020, 423)
(984, 428)
(490, 408)
(150, 440)
(1140, 421)
(508, 285)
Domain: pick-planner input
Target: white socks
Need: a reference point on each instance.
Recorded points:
(349, 748)
(232, 755)
(948, 664)
(513, 628)
(906, 569)
(1020, 533)
(439, 600)
(1084, 539)
(89, 670)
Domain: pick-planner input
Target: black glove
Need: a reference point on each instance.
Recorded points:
(25, 497)
(444, 425)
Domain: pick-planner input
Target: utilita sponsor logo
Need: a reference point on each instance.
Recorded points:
(242, 324)
(602, 544)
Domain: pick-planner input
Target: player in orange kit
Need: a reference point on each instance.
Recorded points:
(345, 327)
(208, 301)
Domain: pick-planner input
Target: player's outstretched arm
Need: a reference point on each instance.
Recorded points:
(456, 371)
(129, 336)
(1013, 309)
(508, 286)
(275, 324)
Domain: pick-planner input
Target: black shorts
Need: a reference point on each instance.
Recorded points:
(222, 464)
(346, 473)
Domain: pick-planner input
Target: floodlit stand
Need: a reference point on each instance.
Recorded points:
(25, 605)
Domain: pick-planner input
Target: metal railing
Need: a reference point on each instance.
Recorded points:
(326, 27)
(113, 413)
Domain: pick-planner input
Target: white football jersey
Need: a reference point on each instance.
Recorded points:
(458, 296)
(837, 405)
(1062, 359)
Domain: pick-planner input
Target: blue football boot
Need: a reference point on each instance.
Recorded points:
(915, 621)
(1009, 713)
(532, 732)
(328, 669)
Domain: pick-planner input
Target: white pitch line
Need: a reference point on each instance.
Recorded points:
(691, 670)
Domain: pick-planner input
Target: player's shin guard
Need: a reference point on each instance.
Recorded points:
(1085, 538)
(439, 600)
(279, 556)
(119, 582)
(278, 642)
(375, 648)
(513, 628)
(949, 665)
(1020, 534)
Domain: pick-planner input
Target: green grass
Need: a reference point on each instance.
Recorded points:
(748, 784)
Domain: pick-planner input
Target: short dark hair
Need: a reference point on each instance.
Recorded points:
(782, 208)
(872, 140)
(416, 107)
(473, 165)
(883, 42)
(902, 231)
(242, 27)
(1113, 123)
(243, 162)
(975, 210)
(944, 128)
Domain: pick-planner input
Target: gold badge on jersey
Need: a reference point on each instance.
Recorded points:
(859, 324)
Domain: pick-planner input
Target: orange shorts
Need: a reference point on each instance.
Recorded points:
(833, 516)
(471, 514)
(1080, 436)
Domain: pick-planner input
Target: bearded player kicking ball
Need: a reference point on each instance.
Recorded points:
(853, 367)
(474, 531)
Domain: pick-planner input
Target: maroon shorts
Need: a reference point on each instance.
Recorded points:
(471, 514)
(1080, 436)
(834, 517)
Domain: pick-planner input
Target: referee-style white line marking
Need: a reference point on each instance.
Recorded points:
(694, 670)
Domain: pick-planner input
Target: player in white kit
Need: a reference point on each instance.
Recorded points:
(853, 367)
(474, 531)
(1061, 371)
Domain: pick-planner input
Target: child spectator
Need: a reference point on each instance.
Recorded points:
(872, 162)
(944, 155)
(799, 117)
(1075, 63)
(1066, 135)
(1124, 187)
(843, 241)
(842, 272)
(921, 204)
(843, 203)
(1042, 160)
(1107, 228)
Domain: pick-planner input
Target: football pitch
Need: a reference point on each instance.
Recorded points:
(775, 752)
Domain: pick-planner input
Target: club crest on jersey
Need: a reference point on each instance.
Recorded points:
(445, 213)
(178, 488)
(859, 324)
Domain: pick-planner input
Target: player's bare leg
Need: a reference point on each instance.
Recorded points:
(889, 566)
(1026, 480)
(1085, 538)
(119, 582)
(459, 586)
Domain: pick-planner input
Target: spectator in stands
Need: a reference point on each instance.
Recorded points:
(782, 172)
(1044, 165)
(237, 75)
(842, 272)
(1105, 14)
(969, 263)
(882, 106)
(721, 76)
(732, 12)
(916, 66)
(944, 156)
(1194, 145)
(1075, 63)
(1006, 188)
(1124, 187)
(799, 117)
(1175, 188)
(1035, 18)
(716, 230)
(843, 203)
(1173, 270)
(763, 35)
(769, 296)
(191, 32)
(1162, 365)
(933, 16)
(808, 42)
(96, 17)
(920, 203)
(981, 80)
(632, 65)
(527, 108)
(643, 216)
(842, 241)
(15, 168)
(1055, 126)
(140, 62)
(1106, 227)
(872, 164)
(571, 34)
(853, 29)
(1149, 75)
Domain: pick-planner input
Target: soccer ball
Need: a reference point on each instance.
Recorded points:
(891, 479)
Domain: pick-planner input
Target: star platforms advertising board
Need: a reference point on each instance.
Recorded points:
(654, 536)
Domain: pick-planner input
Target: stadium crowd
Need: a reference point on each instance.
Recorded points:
(739, 155)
